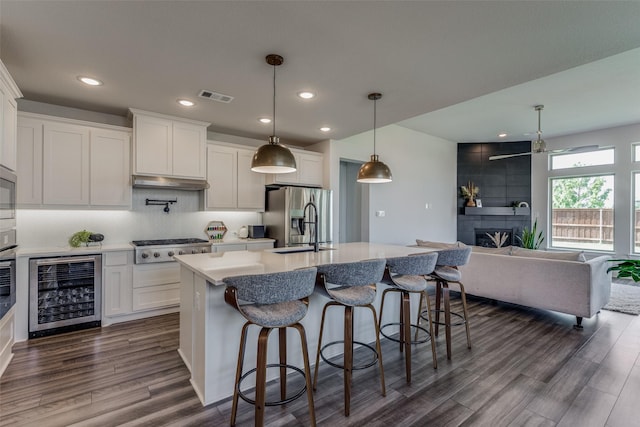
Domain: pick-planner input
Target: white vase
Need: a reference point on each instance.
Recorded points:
(243, 233)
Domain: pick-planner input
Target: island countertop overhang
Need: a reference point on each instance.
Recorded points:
(214, 267)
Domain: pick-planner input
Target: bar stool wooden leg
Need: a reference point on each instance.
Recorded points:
(405, 324)
(401, 331)
(315, 373)
(261, 376)
(282, 339)
(348, 356)
(466, 316)
(432, 338)
(418, 317)
(307, 372)
(438, 304)
(447, 317)
(243, 343)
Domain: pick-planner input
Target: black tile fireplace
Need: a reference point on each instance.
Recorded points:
(483, 239)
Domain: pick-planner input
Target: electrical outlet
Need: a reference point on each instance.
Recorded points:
(380, 213)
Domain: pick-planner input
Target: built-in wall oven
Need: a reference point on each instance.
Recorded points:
(7, 240)
(64, 294)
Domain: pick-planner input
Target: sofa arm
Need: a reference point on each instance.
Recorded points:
(600, 282)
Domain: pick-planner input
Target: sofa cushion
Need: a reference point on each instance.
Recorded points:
(563, 256)
(439, 245)
(504, 250)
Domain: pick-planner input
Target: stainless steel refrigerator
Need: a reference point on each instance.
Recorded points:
(290, 224)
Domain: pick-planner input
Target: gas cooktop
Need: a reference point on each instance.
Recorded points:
(163, 250)
(164, 242)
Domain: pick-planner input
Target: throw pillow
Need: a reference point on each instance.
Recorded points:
(440, 245)
(564, 256)
(504, 250)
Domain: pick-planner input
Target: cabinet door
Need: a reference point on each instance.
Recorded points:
(222, 177)
(118, 288)
(109, 168)
(153, 145)
(310, 169)
(231, 247)
(65, 164)
(251, 191)
(258, 246)
(29, 170)
(189, 146)
(9, 149)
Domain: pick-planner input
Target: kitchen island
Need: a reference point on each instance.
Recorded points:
(210, 329)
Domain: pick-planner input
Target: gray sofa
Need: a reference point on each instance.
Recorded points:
(558, 281)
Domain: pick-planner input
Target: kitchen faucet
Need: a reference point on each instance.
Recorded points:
(316, 247)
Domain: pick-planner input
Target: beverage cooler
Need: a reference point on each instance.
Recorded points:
(64, 294)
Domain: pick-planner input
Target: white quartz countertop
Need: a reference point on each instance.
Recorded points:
(69, 251)
(216, 266)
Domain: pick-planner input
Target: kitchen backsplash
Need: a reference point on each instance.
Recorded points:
(46, 228)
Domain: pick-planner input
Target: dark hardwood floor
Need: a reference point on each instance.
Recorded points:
(527, 368)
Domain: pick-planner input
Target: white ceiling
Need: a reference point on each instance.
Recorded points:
(461, 70)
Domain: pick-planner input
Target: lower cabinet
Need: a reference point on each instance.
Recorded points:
(243, 246)
(134, 291)
(156, 286)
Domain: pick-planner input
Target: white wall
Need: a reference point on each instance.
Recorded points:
(424, 171)
(621, 139)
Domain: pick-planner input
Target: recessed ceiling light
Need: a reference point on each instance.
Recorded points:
(90, 81)
(264, 120)
(502, 135)
(306, 95)
(186, 103)
(325, 129)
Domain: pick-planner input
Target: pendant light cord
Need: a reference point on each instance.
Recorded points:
(375, 101)
(274, 101)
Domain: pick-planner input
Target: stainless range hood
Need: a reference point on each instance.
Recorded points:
(141, 181)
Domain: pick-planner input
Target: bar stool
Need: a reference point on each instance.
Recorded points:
(276, 300)
(445, 273)
(406, 276)
(350, 285)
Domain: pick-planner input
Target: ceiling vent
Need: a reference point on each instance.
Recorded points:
(215, 96)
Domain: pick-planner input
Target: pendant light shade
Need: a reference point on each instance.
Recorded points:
(273, 157)
(374, 171)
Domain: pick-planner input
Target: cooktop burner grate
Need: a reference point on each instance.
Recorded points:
(173, 242)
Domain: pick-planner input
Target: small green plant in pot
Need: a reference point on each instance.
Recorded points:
(627, 268)
(531, 239)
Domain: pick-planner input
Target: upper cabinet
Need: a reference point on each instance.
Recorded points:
(309, 170)
(232, 184)
(168, 146)
(68, 163)
(8, 113)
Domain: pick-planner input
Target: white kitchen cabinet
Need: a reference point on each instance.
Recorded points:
(65, 167)
(156, 286)
(109, 168)
(309, 170)
(69, 163)
(168, 146)
(249, 245)
(232, 183)
(117, 282)
(8, 121)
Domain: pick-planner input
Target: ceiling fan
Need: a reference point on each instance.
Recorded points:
(539, 146)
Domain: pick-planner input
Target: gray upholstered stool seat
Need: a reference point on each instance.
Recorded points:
(407, 275)
(446, 273)
(276, 300)
(350, 285)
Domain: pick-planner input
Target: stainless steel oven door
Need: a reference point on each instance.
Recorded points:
(7, 200)
(7, 280)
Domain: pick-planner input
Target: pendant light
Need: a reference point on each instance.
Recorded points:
(273, 157)
(374, 171)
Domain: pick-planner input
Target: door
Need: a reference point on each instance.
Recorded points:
(354, 204)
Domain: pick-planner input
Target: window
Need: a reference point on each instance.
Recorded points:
(590, 158)
(636, 212)
(582, 212)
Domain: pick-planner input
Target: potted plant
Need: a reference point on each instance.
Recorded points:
(531, 239)
(627, 268)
